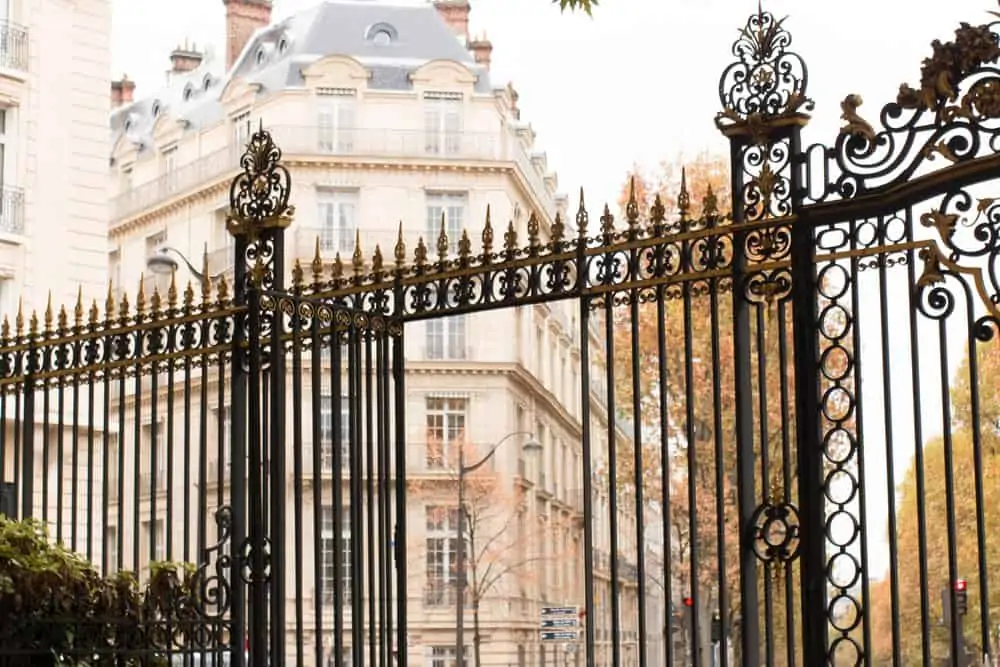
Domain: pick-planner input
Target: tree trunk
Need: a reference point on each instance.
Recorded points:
(476, 639)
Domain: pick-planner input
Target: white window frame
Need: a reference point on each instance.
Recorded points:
(443, 123)
(155, 241)
(444, 656)
(327, 544)
(452, 207)
(241, 129)
(168, 163)
(447, 419)
(8, 152)
(447, 338)
(337, 217)
(161, 539)
(336, 119)
(442, 555)
(326, 434)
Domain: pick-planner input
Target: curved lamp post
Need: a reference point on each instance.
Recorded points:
(163, 262)
(531, 446)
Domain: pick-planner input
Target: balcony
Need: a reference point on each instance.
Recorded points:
(360, 143)
(11, 210)
(13, 47)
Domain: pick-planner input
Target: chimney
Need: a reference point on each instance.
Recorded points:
(122, 91)
(456, 14)
(482, 50)
(243, 18)
(184, 59)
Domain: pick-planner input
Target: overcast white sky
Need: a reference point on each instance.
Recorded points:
(638, 82)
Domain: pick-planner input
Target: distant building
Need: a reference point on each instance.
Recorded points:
(385, 113)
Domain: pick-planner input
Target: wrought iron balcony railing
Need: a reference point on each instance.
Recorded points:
(13, 46)
(359, 143)
(11, 210)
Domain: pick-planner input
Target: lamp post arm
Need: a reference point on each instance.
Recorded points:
(481, 462)
(194, 272)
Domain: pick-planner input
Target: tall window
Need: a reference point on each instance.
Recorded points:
(4, 137)
(449, 207)
(444, 656)
(149, 465)
(222, 423)
(328, 552)
(169, 164)
(443, 123)
(157, 533)
(446, 338)
(155, 241)
(442, 550)
(336, 120)
(241, 130)
(445, 429)
(338, 222)
(126, 177)
(111, 549)
(327, 435)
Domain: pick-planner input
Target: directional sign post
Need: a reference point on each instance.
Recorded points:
(560, 624)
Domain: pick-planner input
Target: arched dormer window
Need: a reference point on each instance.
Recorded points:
(381, 34)
(188, 92)
(155, 110)
(207, 82)
(283, 44)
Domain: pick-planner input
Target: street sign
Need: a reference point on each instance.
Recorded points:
(560, 636)
(559, 623)
(559, 611)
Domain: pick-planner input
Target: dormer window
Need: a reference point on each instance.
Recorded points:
(155, 110)
(261, 56)
(188, 92)
(381, 34)
(206, 82)
(283, 44)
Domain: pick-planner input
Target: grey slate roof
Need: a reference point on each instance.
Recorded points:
(275, 56)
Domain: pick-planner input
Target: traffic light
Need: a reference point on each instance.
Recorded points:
(961, 597)
(716, 628)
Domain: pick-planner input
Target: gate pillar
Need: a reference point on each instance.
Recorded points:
(259, 213)
(764, 108)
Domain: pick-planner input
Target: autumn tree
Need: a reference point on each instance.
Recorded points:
(506, 551)
(955, 458)
(693, 376)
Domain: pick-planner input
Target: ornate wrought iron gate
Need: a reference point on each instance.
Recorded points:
(723, 424)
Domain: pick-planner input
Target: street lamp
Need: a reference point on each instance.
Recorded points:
(162, 262)
(531, 446)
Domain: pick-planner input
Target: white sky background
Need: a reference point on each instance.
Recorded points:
(639, 83)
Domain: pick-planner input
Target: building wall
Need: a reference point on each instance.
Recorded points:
(58, 123)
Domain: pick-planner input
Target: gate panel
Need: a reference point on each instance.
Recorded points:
(114, 431)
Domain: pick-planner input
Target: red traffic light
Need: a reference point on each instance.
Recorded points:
(688, 602)
(961, 584)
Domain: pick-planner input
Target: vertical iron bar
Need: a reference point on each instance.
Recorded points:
(258, 538)
(60, 453)
(639, 479)
(786, 471)
(337, 486)
(170, 388)
(665, 469)
(369, 429)
(91, 461)
(691, 443)
(856, 311)
(106, 478)
(75, 465)
(745, 455)
(399, 412)
(154, 445)
(277, 456)
(588, 485)
(956, 630)
(354, 369)
(316, 381)
(385, 514)
(765, 472)
(807, 444)
(186, 427)
(977, 453)
(297, 485)
(120, 524)
(46, 399)
(720, 483)
(609, 367)
(137, 454)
